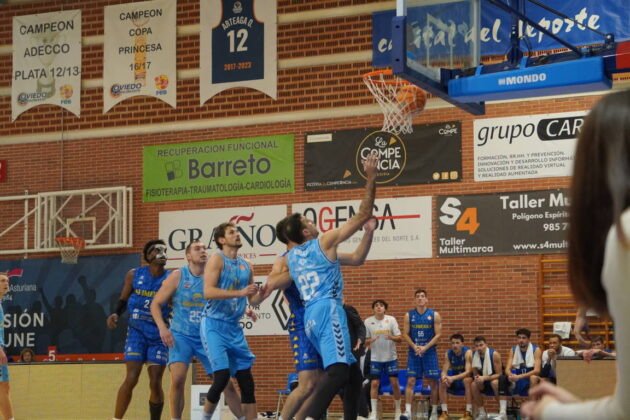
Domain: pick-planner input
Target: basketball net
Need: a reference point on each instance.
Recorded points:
(399, 100)
(70, 247)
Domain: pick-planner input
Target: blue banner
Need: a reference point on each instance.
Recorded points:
(65, 305)
(611, 16)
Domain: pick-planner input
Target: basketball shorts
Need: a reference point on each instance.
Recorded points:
(520, 387)
(4, 373)
(225, 345)
(425, 366)
(377, 368)
(141, 347)
(305, 356)
(185, 348)
(457, 386)
(327, 329)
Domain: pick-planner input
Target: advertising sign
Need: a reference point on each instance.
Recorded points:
(140, 52)
(531, 222)
(404, 225)
(256, 225)
(432, 153)
(219, 168)
(50, 304)
(530, 146)
(46, 61)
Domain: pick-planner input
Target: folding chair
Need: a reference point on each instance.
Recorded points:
(291, 378)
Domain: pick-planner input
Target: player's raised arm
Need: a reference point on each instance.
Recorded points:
(361, 252)
(332, 238)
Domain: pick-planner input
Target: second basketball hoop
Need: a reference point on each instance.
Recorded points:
(399, 100)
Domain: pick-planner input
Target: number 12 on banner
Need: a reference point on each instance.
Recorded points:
(464, 221)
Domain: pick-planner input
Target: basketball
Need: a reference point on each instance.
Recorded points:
(412, 99)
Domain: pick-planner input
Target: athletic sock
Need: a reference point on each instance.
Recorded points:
(374, 404)
(502, 406)
(444, 407)
(482, 410)
(156, 410)
(207, 416)
(397, 405)
(408, 408)
(469, 408)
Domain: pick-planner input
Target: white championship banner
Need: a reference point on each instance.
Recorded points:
(46, 61)
(404, 225)
(140, 52)
(273, 314)
(532, 146)
(238, 46)
(256, 225)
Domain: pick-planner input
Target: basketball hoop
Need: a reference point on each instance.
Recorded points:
(70, 247)
(399, 99)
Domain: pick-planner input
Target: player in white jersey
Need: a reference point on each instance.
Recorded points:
(183, 288)
(382, 335)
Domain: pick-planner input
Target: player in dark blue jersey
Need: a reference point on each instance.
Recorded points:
(308, 362)
(422, 329)
(6, 408)
(183, 289)
(487, 368)
(456, 375)
(143, 337)
(314, 264)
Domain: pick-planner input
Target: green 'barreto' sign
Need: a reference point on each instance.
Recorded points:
(220, 168)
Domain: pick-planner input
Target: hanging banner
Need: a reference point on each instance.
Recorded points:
(46, 61)
(51, 304)
(609, 16)
(256, 226)
(529, 146)
(432, 153)
(140, 52)
(218, 168)
(238, 46)
(404, 225)
(531, 222)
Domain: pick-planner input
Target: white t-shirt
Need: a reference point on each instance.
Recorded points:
(383, 350)
(564, 352)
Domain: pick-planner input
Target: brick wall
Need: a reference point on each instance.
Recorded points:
(491, 296)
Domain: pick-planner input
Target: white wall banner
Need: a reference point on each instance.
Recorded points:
(404, 225)
(532, 146)
(46, 61)
(256, 225)
(273, 315)
(140, 52)
(238, 46)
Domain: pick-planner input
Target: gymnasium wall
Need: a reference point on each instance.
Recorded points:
(321, 61)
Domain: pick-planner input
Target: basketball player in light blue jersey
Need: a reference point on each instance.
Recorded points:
(143, 342)
(228, 284)
(314, 266)
(183, 288)
(421, 330)
(6, 408)
(308, 362)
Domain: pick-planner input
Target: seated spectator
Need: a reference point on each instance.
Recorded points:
(486, 369)
(550, 355)
(27, 355)
(456, 375)
(596, 351)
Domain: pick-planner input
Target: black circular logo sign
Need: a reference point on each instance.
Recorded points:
(391, 152)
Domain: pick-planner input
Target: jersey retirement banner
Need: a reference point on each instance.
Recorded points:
(238, 46)
(139, 52)
(46, 61)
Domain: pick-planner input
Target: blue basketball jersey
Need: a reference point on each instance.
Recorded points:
(188, 303)
(145, 286)
(458, 363)
(238, 44)
(316, 276)
(234, 276)
(296, 306)
(421, 327)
